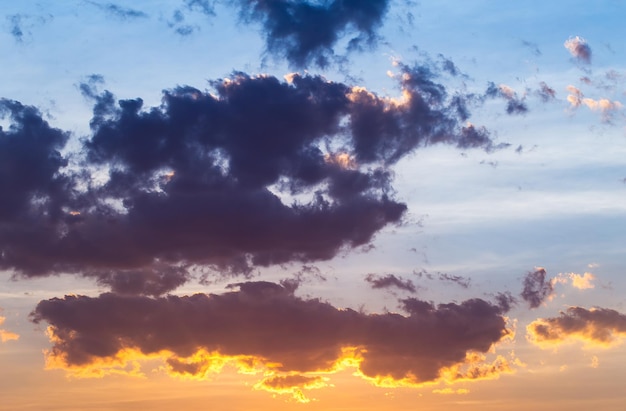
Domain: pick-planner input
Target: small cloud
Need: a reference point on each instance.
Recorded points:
(292, 385)
(579, 281)
(7, 335)
(460, 280)
(536, 287)
(595, 362)
(601, 327)
(582, 282)
(390, 281)
(579, 49)
(515, 104)
(545, 92)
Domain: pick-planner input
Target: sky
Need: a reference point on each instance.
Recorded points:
(316, 205)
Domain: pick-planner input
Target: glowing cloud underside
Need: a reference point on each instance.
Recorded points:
(595, 327)
(264, 326)
(7, 335)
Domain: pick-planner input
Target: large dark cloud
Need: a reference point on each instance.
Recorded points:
(254, 173)
(267, 322)
(30, 162)
(304, 32)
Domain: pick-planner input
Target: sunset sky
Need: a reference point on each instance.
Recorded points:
(316, 205)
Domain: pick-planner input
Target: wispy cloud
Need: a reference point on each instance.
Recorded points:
(390, 281)
(117, 11)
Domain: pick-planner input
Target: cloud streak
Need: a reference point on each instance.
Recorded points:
(117, 11)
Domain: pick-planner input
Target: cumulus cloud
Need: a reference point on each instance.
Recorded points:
(579, 49)
(305, 32)
(235, 178)
(390, 281)
(595, 327)
(537, 288)
(6, 335)
(264, 324)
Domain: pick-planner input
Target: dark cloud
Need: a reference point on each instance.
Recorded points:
(505, 301)
(457, 279)
(267, 323)
(514, 105)
(598, 326)
(30, 182)
(305, 32)
(211, 178)
(536, 288)
(307, 274)
(545, 92)
(579, 49)
(390, 281)
(117, 11)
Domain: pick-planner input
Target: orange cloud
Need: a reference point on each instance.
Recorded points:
(605, 106)
(7, 335)
(292, 385)
(579, 281)
(601, 327)
(578, 48)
